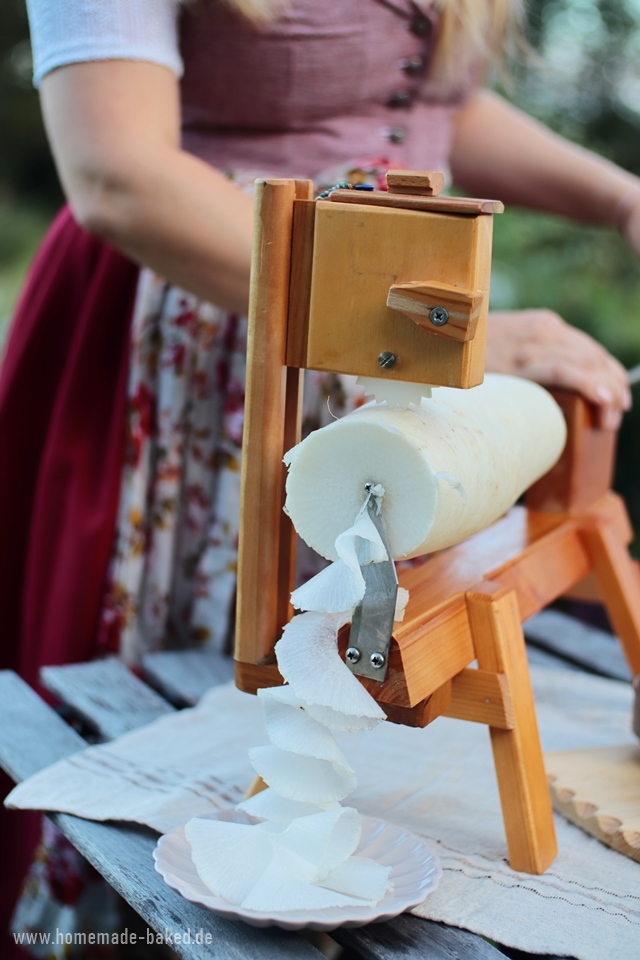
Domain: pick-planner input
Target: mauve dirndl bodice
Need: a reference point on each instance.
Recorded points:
(330, 81)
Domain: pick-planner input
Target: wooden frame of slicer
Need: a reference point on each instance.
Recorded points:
(396, 285)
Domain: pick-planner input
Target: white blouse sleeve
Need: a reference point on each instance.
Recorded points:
(73, 31)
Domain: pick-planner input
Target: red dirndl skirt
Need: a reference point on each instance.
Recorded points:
(62, 417)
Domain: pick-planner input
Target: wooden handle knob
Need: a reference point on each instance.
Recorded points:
(439, 308)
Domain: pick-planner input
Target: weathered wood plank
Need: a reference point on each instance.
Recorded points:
(31, 735)
(35, 737)
(542, 658)
(106, 695)
(410, 938)
(123, 855)
(575, 642)
(184, 676)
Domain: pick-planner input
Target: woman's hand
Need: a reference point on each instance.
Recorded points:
(539, 345)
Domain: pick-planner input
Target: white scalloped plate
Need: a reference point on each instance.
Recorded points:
(415, 872)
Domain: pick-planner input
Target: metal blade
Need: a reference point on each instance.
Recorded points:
(372, 623)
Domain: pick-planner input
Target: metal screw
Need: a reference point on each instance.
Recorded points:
(377, 660)
(438, 316)
(387, 360)
(352, 654)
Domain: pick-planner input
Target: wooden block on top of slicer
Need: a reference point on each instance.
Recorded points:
(425, 183)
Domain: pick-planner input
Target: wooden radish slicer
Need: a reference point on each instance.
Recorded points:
(395, 285)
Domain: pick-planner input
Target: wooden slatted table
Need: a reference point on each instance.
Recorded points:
(111, 700)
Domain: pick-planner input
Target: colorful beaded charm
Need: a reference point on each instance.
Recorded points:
(344, 185)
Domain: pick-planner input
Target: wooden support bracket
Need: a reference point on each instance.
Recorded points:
(482, 697)
(618, 580)
(424, 712)
(584, 472)
(524, 794)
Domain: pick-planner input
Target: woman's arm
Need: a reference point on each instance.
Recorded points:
(500, 151)
(115, 133)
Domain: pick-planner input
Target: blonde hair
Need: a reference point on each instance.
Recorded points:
(471, 31)
(259, 11)
(477, 31)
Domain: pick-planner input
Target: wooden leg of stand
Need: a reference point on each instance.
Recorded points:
(257, 785)
(618, 580)
(524, 794)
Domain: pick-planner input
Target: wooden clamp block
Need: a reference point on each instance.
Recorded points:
(584, 472)
(425, 183)
(439, 308)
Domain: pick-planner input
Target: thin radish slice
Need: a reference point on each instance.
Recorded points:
(402, 599)
(308, 659)
(340, 586)
(268, 805)
(326, 839)
(290, 728)
(274, 891)
(343, 722)
(360, 877)
(229, 857)
(301, 778)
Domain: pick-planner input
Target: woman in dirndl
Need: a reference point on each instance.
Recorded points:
(121, 398)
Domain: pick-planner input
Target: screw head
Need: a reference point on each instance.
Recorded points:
(377, 660)
(352, 654)
(438, 316)
(387, 360)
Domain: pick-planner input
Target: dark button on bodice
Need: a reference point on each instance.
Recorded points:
(401, 98)
(397, 134)
(413, 66)
(420, 26)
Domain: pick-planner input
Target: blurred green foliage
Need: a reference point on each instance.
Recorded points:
(25, 165)
(29, 190)
(22, 226)
(583, 81)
